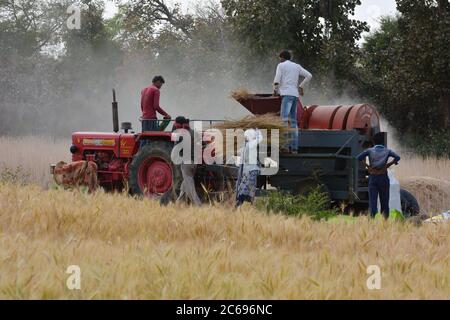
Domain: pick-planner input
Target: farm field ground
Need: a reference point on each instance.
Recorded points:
(134, 249)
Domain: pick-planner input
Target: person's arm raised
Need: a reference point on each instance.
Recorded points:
(276, 80)
(307, 78)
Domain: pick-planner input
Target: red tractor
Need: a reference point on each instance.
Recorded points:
(122, 163)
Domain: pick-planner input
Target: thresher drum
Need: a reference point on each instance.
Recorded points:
(362, 117)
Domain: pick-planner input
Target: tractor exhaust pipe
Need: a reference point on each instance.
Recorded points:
(115, 112)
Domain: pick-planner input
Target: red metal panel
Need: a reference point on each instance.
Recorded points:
(322, 117)
(340, 118)
(306, 116)
(262, 103)
(96, 141)
(127, 144)
(363, 117)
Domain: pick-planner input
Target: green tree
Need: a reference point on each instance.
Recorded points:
(52, 77)
(405, 71)
(198, 60)
(27, 29)
(27, 26)
(321, 34)
(142, 20)
(87, 70)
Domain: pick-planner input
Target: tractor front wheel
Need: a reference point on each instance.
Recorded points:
(152, 172)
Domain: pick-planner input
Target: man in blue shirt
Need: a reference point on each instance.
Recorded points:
(378, 178)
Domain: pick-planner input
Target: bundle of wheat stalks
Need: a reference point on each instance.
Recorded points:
(241, 94)
(432, 194)
(267, 121)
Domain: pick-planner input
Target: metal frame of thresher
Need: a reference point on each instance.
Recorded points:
(327, 157)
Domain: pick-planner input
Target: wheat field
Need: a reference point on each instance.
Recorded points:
(133, 249)
(33, 156)
(129, 248)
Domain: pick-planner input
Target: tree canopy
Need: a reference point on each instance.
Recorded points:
(55, 80)
(406, 72)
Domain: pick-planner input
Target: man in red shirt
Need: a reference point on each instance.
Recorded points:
(150, 105)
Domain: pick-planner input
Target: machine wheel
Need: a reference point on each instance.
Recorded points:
(212, 186)
(152, 172)
(410, 206)
(307, 186)
(171, 195)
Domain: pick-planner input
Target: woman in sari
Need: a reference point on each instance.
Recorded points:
(249, 168)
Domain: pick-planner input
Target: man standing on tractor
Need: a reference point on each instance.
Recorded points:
(286, 85)
(150, 105)
(379, 183)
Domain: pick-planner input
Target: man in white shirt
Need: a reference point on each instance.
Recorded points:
(286, 84)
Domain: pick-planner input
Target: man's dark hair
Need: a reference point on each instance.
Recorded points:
(181, 120)
(378, 138)
(158, 78)
(285, 55)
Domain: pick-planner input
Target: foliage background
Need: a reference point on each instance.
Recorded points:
(54, 80)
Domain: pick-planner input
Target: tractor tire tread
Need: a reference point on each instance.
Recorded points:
(161, 149)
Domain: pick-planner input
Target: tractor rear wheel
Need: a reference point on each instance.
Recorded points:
(152, 171)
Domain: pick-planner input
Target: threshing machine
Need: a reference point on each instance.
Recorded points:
(330, 139)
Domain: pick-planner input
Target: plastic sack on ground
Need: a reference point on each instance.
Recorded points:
(445, 216)
(394, 214)
(394, 193)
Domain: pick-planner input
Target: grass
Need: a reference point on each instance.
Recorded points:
(314, 204)
(29, 158)
(414, 166)
(129, 248)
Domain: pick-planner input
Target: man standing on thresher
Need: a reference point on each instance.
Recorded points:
(150, 105)
(286, 85)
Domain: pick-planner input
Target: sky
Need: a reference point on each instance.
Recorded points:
(369, 10)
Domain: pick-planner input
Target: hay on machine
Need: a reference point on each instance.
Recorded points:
(266, 122)
(241, 94)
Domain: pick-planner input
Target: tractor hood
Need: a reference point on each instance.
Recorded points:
(122, 144)
(96, 139)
